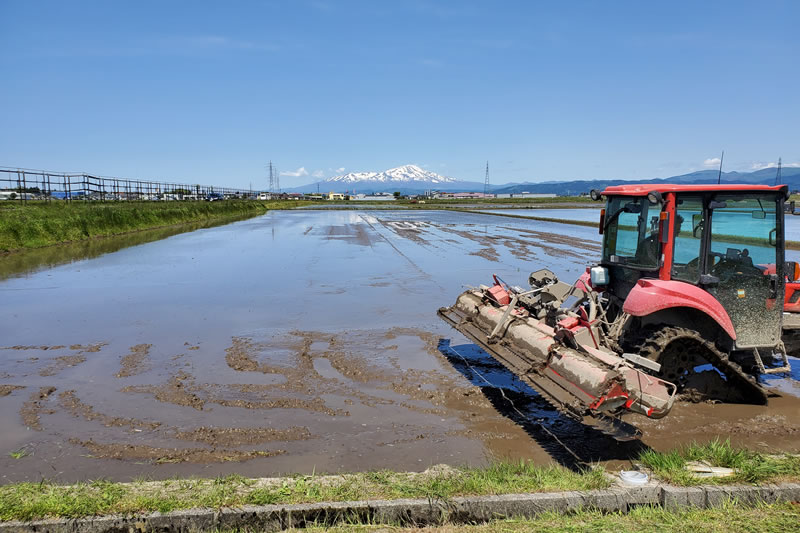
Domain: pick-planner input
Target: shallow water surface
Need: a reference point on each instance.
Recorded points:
(297, 341)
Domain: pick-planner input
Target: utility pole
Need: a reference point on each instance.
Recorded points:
(486, 182)
(778, 175)
(274, 186)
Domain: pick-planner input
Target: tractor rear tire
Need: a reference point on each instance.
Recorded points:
(680, 350)
(676, 349)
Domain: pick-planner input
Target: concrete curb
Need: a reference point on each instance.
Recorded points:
(417, 512)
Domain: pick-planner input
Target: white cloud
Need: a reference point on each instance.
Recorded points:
(337, 170)
(711, 162)
(318, 174)
(760, 165)
(300, 172)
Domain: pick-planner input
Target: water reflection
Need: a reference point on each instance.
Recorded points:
(19, 264)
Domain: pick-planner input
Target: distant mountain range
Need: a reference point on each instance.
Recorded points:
(411, 179)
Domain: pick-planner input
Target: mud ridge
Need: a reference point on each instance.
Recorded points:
(141, 452)
(179, 390)
(5, 390)
(135, 362)
(72, 404)
(215, 436)
(60, 363)
(31, 409)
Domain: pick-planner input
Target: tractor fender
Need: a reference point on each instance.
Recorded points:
(652, 295)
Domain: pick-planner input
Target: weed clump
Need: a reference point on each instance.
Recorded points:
(749, 466)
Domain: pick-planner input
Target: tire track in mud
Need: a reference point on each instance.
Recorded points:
(400, 253)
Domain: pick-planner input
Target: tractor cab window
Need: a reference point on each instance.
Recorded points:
(744, 230)
(743, 245)
(688, 235)
(631, 236)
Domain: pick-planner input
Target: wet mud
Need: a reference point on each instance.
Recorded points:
(771, 428)
(60, 363)
(142, 452)
(303, 342)
(135, 362)
(5, 390)
(35, 406)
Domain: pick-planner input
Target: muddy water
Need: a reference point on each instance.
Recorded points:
(294, 342)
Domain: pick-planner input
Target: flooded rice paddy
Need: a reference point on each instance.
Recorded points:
(299, 341)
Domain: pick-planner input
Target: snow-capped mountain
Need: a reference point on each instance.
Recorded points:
(407, 175)
(408, 179)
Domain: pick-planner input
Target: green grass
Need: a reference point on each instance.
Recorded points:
(750, 466)
(18, 454)
(27, 501)
(40, 224)
(776, 518)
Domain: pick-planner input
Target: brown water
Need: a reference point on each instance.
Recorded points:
(297, 342)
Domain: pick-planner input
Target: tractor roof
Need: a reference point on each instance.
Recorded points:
(641, 189)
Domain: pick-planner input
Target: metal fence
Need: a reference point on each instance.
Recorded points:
(25, 185)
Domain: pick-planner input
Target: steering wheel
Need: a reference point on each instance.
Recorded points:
(716, 257)
(726, 268)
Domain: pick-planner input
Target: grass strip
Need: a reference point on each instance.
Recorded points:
(750, 466)
(28, 501)
(776, 518)
(43, 224)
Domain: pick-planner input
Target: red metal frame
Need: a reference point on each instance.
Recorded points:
(649, 296)
(643, 188)
(665, 272)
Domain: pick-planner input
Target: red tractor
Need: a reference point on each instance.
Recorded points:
(686, 300)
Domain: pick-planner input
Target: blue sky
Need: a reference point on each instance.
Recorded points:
(211, 91)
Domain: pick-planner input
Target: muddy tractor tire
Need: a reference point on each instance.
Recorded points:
(680, 350)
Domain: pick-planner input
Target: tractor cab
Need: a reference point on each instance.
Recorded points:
(713, 249)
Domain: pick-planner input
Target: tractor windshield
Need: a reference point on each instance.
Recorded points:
(631, 233)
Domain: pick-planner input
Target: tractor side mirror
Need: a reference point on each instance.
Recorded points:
(697, 225)
(760, 215)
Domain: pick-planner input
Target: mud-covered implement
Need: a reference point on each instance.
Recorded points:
(559, 350)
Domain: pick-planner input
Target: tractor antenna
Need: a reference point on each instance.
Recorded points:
(719, 175)
(778, 174)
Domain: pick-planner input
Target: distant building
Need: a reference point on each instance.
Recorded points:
(380, 197)
(461, 195)
(335, 196)
(526, 195)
